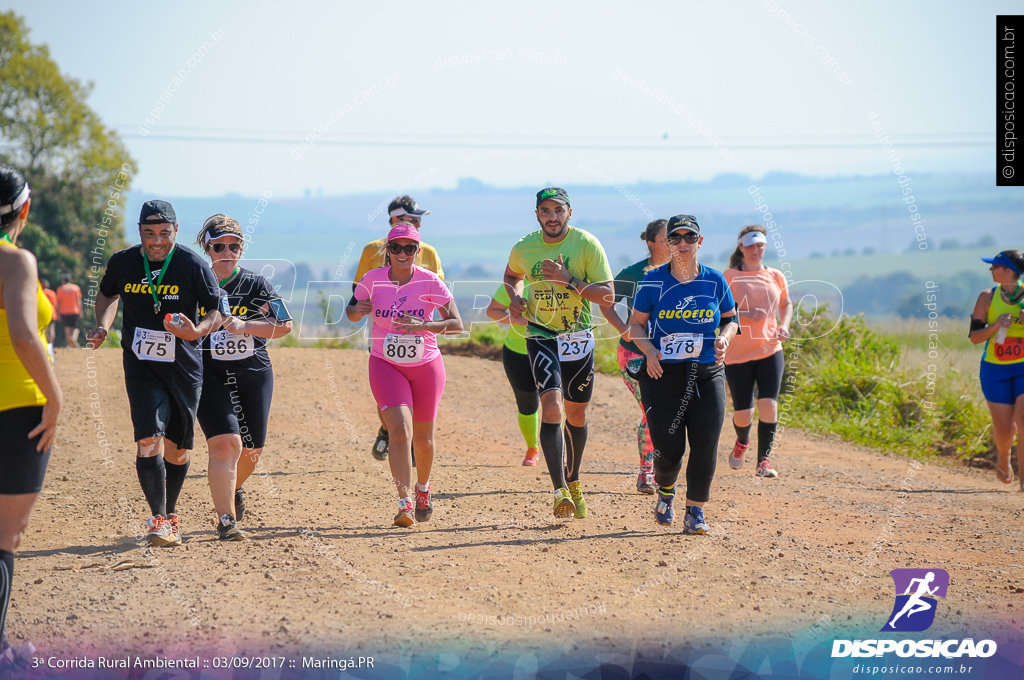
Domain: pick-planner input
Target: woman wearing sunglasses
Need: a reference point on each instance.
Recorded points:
(682, 381)
(998, 321)
(238, 380)
(756, 356)
(407, 373)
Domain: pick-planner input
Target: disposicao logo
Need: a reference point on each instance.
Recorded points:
(914, 611)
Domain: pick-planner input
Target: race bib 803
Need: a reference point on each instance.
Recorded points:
(403, 349)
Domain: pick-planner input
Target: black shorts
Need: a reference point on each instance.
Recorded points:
(237, 402)
(160, 409)
(70, 320)
(520, 377)
(765, 373)
(574, 378)
(23, 468)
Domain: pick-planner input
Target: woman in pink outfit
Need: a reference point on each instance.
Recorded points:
(406, 370)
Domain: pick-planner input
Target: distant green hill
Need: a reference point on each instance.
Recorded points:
(928, 265)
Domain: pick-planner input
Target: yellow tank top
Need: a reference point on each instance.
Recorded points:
(17, 388)
(1011, 351)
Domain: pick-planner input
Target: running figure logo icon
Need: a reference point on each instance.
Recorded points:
(914, 610)
(685, 302)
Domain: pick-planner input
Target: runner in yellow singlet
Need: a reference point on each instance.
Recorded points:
(30, 398)
(998, 321)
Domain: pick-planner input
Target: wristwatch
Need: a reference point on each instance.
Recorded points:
(573, 282)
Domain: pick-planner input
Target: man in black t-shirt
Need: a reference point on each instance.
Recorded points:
(163, 285)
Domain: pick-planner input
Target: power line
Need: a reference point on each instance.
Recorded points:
(624, 145)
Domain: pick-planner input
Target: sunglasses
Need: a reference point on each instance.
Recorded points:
(690, 237)
(395, 248)
(219, 247)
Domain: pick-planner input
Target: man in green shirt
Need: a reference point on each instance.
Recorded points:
(565, 270)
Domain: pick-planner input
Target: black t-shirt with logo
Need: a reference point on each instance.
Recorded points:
(188, 285)
(249, 296)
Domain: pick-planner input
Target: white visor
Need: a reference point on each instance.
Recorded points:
(207, 239)
(18, 202)
(401, 212)
(752, 237)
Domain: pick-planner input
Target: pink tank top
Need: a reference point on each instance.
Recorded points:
(424, 293)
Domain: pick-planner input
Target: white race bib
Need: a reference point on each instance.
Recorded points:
(575, 346)
(153, 345)
(226, 346)
(404, 349)
(682, 345)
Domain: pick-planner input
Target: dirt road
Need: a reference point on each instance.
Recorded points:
(493, 570)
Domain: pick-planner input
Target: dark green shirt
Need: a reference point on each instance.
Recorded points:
(626, 283)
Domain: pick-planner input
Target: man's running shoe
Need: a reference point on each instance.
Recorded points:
(239, 504)
(563, 505)
(405, 518)
(531, 457)
(738, 452)
(380, 446)
(693, 521)
(424, 506)
(645, 483)
(663, 511)
(579, 504)
(159, 532)
(765, 469)
(175, 527)
(227, 529)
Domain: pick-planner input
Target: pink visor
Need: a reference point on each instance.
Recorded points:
(404, 231)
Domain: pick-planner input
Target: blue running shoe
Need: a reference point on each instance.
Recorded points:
(693, 521)
(663, 511)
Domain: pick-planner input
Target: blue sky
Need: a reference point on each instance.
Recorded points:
(528, 93)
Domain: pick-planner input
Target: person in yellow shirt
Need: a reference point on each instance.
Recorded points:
(375, 253)
(998, 321)
(402, 209)
(554, 275)
(30, 397)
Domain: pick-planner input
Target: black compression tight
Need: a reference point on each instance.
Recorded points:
(687, 403)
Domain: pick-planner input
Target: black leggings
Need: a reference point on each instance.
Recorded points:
(22, 468)
(686, 402)
(765, 373)
(520, 377)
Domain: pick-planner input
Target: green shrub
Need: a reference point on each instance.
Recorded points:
(847, 380)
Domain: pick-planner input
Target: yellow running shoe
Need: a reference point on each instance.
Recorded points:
(579, 505)
(563, 503)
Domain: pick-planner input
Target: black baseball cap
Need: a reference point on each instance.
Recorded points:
(682, 223)
(556, 194)
(159, 209)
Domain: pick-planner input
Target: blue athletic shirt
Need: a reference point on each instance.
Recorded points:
(684, 316)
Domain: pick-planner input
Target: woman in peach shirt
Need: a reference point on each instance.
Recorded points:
(755, 355)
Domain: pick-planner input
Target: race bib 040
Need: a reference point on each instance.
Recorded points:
(150, 345)
(1010, 351)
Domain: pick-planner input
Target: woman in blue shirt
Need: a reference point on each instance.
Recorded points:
(676, 313)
